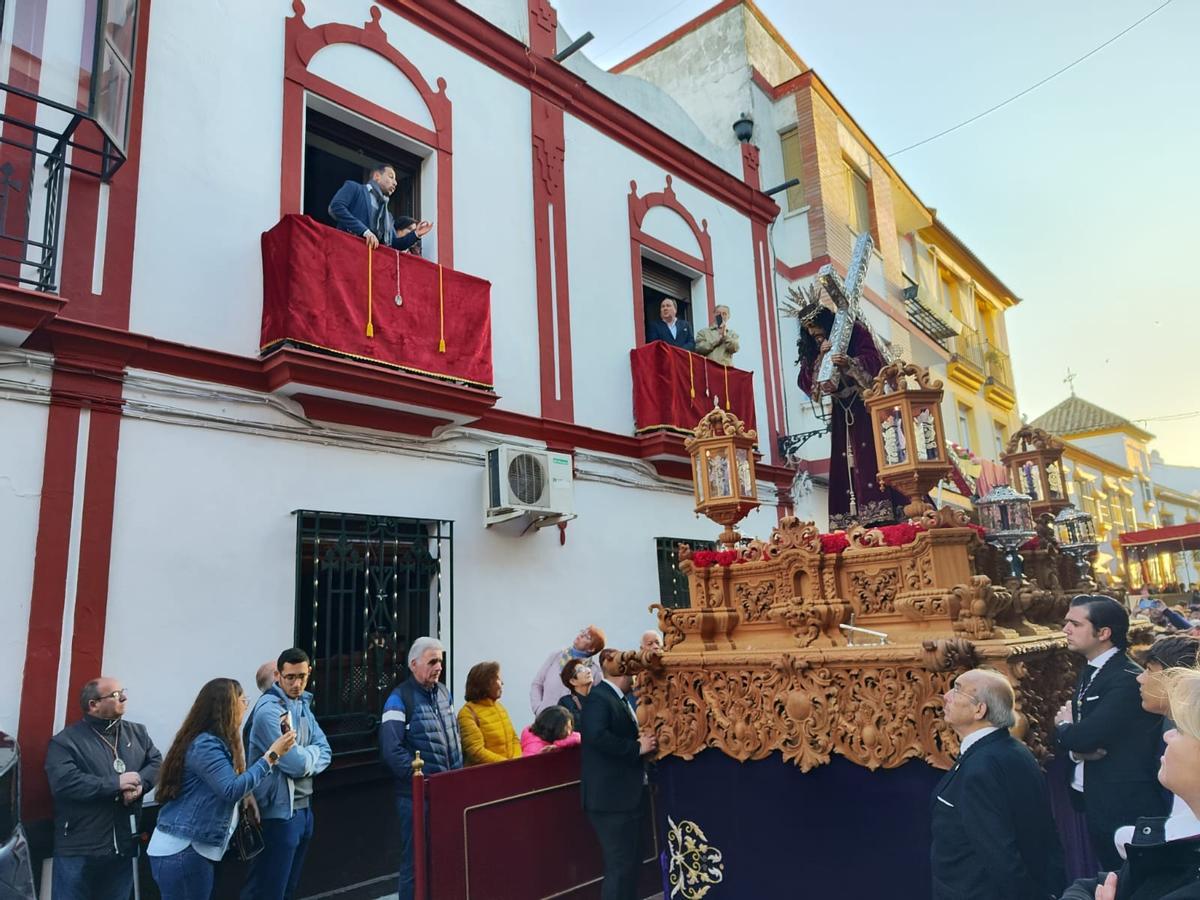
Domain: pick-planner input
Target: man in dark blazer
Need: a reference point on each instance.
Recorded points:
(993, 834)
(361, 209)
(670, 328)
(1113, 741)
(613, 778)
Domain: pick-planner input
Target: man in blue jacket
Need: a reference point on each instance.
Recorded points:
(418, 716)
(284, 796)
(362, 210)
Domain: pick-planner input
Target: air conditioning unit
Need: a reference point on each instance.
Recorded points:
(534, 485)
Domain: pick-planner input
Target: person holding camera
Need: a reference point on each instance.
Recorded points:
(201, 782)
(283, 797)
(718, 341)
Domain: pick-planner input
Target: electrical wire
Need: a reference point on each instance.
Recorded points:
(1032, 87)
(634, 33)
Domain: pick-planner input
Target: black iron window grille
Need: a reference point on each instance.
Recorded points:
(366, 588)
(673, 589)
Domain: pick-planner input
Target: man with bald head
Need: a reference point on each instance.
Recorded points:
(993, 835)
(99, 769)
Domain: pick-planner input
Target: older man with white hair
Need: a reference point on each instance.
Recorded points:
(418, 716)
(993, 835)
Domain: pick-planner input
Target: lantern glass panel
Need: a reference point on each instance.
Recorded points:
(925, 442)
(1029, 479)
(891, 432)
(719, 480)
(1054, 480)
(699, 479)
(745, 482)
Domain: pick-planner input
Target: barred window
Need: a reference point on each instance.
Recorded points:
(366, 588)
(673, 590)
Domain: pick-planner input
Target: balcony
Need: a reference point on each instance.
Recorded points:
(998, 389)
(927, 315)
(967, 365)
(673, 389)
(357, 336)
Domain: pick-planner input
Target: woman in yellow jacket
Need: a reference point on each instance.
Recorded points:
(487, 731)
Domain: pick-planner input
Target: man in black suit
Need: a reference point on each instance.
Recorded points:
(613, 778)
(670, 328)
(1113, 741)
(993, 834)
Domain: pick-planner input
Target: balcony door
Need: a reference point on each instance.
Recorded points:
(660, 282)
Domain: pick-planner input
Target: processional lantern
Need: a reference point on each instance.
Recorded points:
(905, 405)
(1076, 533)
(1034, 461)
(722, 452)
(1007, 518)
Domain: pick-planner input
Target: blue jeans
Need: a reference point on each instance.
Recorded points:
(404, 812)
(275, 872)
(185, 875)
(91, 878)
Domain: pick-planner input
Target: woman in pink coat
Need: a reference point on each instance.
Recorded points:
(551, 729)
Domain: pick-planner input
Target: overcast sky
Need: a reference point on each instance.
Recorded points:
(1083, 196)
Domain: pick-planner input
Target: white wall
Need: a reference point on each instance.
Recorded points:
(219, 597)
(22, 450)
(597, 176)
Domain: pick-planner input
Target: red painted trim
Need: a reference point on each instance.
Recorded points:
(804, 270)
(638, 208)
(472, 35)
(301, 44)
(776, 91)
(543, 28)
(46, 603)
(671, 37)
(360, 415)
(27, 310)
(550, 259)
(111, 306)
(95, 547)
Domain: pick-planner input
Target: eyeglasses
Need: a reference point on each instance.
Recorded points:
(121, 695)
(295, 676)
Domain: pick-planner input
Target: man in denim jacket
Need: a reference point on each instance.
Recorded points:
(284, 796)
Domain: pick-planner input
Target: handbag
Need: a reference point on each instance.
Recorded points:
(247, 840)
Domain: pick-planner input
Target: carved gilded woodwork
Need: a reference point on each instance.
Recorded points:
(759, 662)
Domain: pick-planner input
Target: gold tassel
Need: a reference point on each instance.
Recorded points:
(691, 375)
(441, 314)
(370, 291)
(726, 368)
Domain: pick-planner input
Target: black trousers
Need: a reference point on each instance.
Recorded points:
(619, 834)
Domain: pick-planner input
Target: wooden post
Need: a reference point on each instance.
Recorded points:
(420, 858)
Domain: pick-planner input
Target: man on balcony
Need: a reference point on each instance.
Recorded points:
(718, 341)
(362, 209)
(670, 328)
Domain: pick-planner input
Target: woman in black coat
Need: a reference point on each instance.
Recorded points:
(577, 676)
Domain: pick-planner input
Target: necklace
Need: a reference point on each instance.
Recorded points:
(118, 764)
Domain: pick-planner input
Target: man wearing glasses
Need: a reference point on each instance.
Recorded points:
(285, 795)
(993, 834)
(99, 769)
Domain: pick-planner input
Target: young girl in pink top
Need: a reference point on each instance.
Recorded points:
(552, 728)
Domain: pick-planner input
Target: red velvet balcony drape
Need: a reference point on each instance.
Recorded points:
(673, 388)
(315, 281)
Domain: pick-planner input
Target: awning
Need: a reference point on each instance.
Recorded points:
(1170, 539)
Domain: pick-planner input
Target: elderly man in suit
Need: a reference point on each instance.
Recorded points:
(1113, 741)
(993, 834)
(361, 209)
(613, 776)
(670, 328)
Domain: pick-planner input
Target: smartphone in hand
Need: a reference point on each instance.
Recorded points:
(285, 723)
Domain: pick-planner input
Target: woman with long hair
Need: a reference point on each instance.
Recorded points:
(578, 678)
(202, 780)
(487, 731)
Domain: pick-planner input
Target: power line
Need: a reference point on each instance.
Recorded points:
(1033, 87)
(639, 30)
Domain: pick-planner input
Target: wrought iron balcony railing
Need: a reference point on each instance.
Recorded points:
(926, 315)
(33, 161)
(999, 367)
(968, 347)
